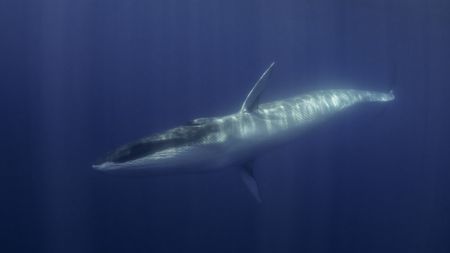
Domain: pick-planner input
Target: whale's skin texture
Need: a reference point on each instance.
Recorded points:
(210, 144)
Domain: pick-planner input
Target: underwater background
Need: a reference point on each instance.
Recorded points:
(78, 78)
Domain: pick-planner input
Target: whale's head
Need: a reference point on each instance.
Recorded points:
(181, 147)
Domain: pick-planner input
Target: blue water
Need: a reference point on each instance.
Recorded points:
(78, 78)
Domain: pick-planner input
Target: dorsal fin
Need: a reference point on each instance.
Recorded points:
(252, 100)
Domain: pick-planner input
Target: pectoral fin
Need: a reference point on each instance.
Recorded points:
(250, 181)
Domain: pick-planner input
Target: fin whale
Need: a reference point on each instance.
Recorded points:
(214, 143)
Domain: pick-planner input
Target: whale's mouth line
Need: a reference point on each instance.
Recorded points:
(176, 137)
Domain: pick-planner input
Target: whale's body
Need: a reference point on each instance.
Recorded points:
(210, 144)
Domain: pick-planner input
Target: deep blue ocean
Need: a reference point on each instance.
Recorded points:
(78, 78)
